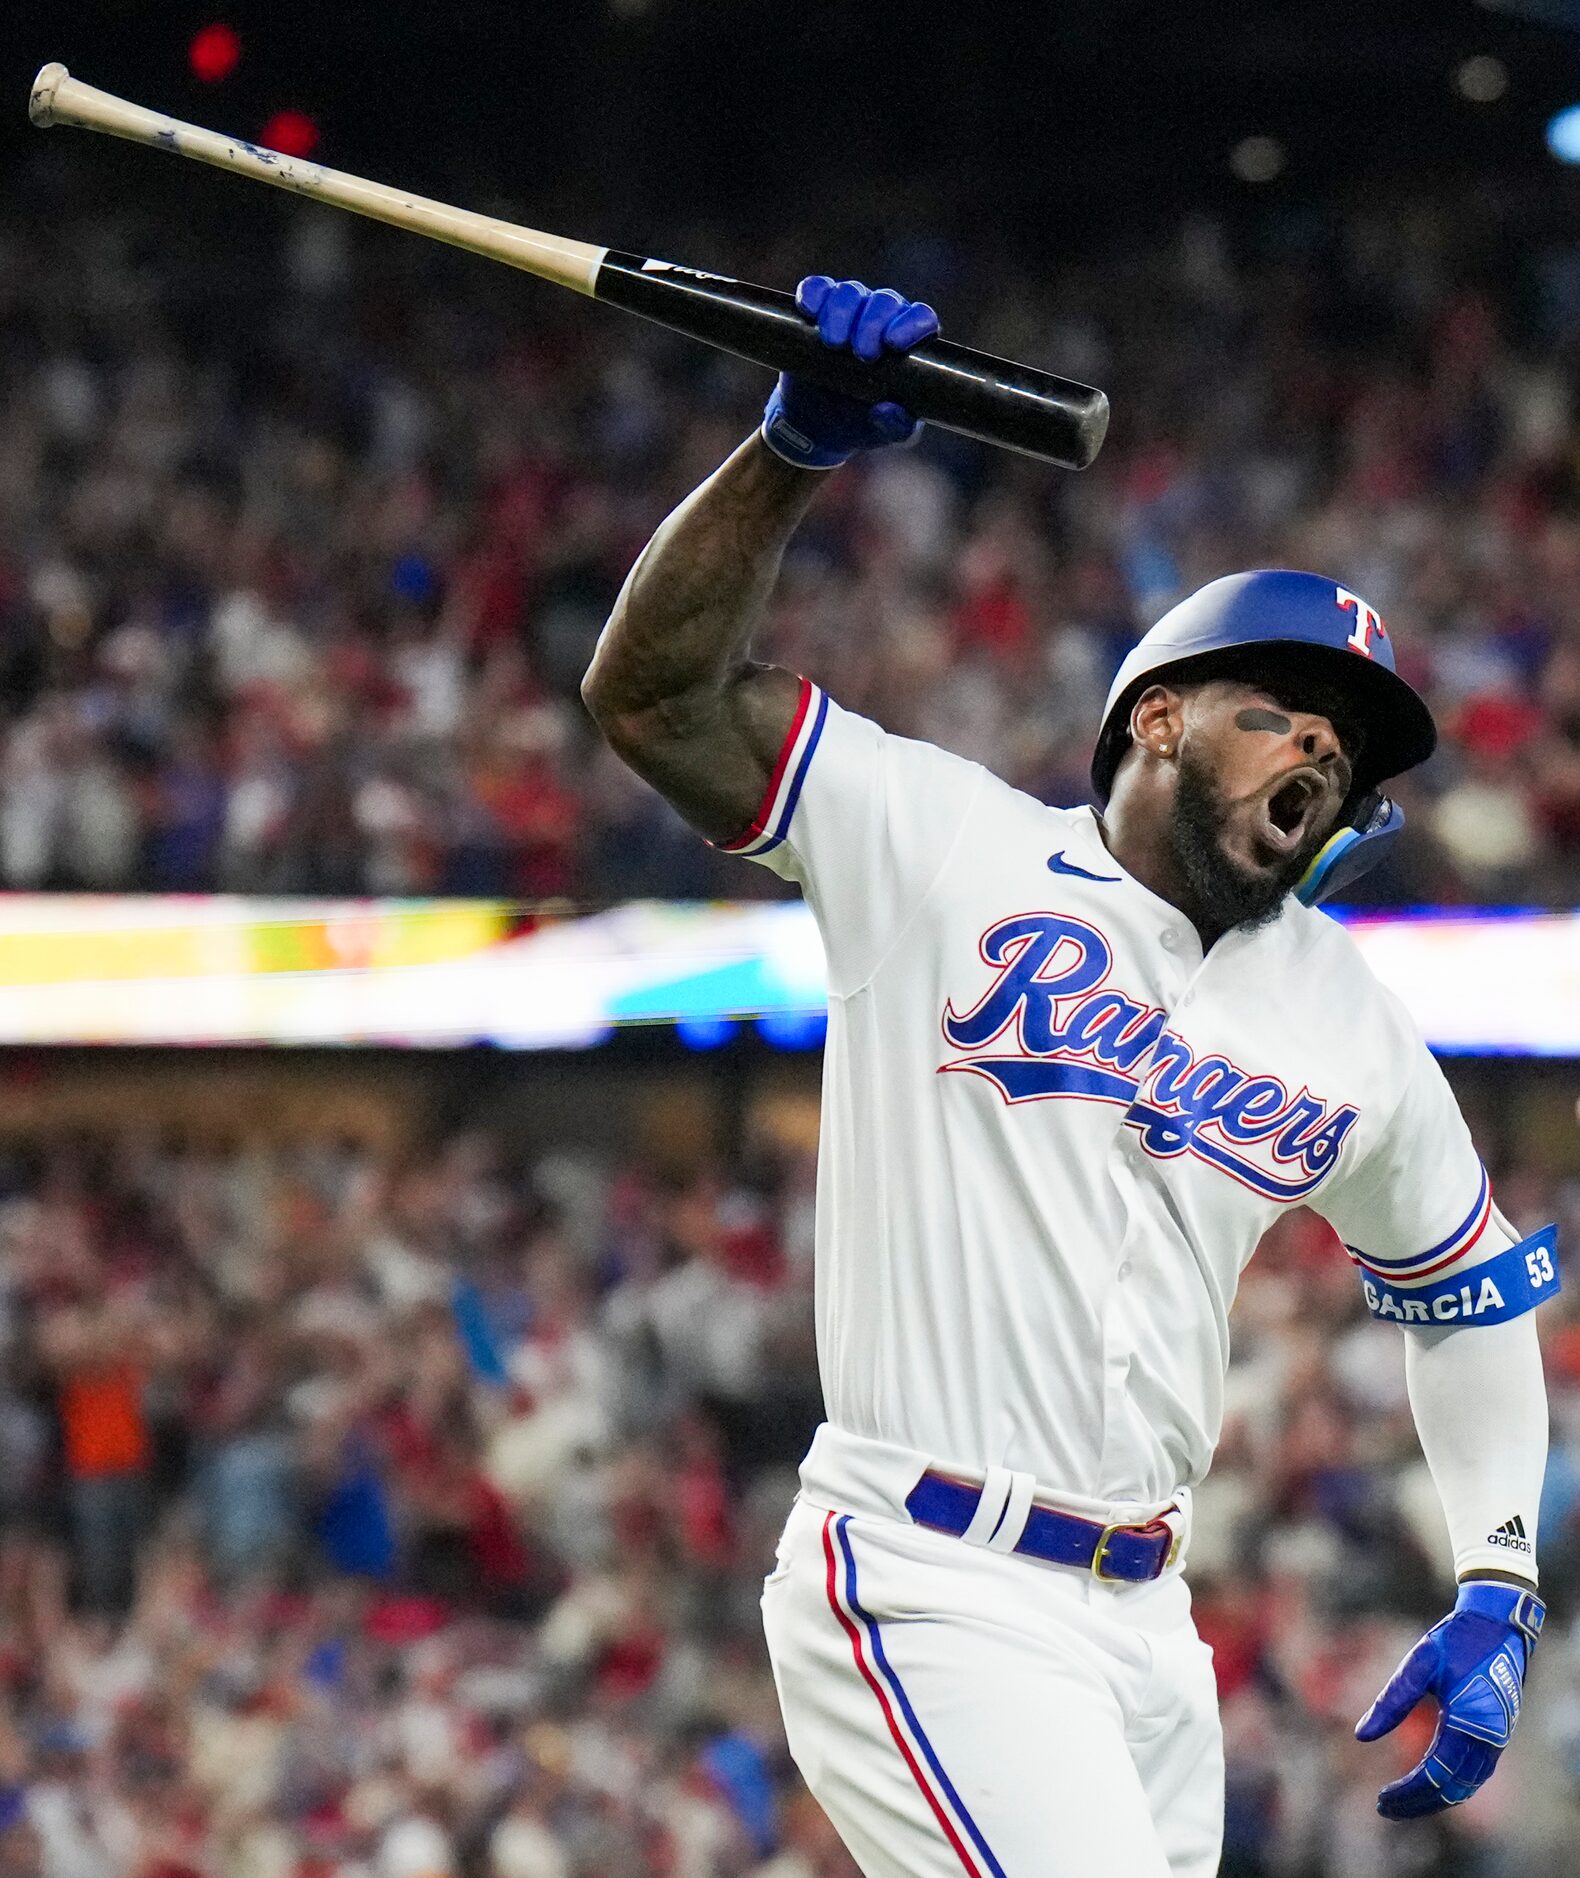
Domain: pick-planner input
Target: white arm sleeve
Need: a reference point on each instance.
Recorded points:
(1415, 1212)
(864, 822)
(1480, 1407)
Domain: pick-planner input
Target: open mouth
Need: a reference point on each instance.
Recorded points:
(1288, 811)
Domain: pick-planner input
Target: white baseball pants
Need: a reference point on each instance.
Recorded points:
(957, 1710)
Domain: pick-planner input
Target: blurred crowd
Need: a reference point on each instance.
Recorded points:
(366, 1519)
(377, 1522)
(303, 552)
(407, 1520)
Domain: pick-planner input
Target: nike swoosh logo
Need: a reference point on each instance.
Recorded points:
(1057, 864)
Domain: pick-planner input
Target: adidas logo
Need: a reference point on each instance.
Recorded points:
(1511, 1534)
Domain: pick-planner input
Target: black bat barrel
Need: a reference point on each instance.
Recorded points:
(974, 393)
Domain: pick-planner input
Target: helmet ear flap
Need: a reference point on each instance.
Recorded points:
(1352, 849)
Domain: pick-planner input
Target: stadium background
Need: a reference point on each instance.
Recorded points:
(392, 1439)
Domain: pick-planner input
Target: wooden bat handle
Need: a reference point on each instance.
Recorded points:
(58, 98)
(940, 382)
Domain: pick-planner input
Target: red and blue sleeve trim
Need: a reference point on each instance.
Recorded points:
(1438, 1257)
(1505, 1286)
(772, 821)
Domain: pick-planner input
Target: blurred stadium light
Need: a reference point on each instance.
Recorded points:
(1481, 79)
(793, 1030)
(1563, 135)
(1258, 159)
(705, 1033)
(214, 53)
(292, 133)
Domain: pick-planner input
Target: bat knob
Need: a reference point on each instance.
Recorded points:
(41, 105)
(1094, 428)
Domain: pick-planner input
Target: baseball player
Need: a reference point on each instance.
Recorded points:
(1078, 1061)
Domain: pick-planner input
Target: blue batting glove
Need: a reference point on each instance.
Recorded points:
(817, 429)
(1474, 1663)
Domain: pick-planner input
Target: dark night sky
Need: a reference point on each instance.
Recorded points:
(1072, 121)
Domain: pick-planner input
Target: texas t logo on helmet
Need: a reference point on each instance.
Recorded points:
(1206, 635)
(1367, 621)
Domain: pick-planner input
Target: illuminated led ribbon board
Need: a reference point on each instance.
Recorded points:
(125, 969)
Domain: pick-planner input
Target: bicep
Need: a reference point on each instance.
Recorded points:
(1419, 1206)
(711, 753)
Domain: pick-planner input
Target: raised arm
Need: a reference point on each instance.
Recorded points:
(671, 684)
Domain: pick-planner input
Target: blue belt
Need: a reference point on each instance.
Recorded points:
(1132, 1553)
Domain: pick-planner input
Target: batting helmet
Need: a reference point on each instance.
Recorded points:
(1319, 628)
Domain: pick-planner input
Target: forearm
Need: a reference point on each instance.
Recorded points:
(1480, 1407)
(670, 684)
(688, 608)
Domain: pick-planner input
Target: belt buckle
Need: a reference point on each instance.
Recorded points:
(1103, 1540)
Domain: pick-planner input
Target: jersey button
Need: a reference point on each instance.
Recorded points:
(1169, 940)
(1125, 1270)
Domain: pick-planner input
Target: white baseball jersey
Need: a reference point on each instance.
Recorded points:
(1054, 1131)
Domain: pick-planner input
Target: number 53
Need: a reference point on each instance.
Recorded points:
(1540, 1266)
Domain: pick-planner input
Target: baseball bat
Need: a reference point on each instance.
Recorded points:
(953, 386)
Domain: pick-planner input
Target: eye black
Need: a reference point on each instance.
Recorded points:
(1338, 710)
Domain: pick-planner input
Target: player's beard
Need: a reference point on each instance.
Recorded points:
(1225, 893)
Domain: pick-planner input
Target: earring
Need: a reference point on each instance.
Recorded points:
(1163, 749)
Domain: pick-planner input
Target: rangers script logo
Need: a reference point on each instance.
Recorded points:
(1066, 1033)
